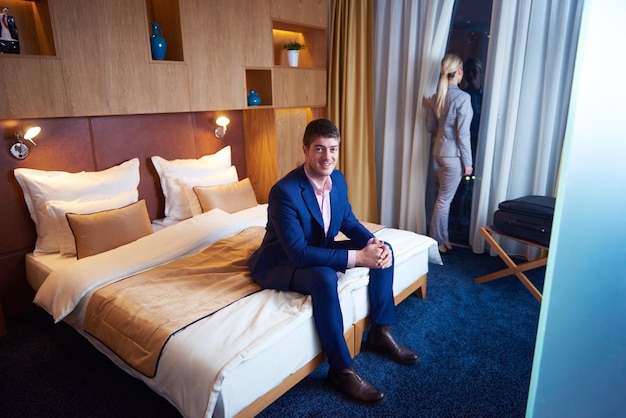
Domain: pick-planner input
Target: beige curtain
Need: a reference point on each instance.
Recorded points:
(350, 99)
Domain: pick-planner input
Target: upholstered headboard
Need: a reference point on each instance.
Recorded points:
(93, 144)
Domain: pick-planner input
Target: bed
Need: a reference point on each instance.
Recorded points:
(236, 360)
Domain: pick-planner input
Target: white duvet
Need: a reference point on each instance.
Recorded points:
(196, 360)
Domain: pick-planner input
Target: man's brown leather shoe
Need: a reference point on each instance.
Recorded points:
(381, 340)
(351, 383)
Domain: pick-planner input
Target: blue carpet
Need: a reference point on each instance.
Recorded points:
(475, 341)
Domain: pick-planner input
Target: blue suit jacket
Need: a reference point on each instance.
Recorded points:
(295, 236)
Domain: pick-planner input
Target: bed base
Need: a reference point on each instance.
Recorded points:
(354, 338)
(266, 400)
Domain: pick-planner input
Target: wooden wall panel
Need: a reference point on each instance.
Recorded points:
(167, 84)
(300, 87)
(89, 72)
(260, 133)
(32, 87)
(290, 125)
(255, 46)
(211, 47)
(94, 56)
(127, 56)
(108, 68)
(311, 12)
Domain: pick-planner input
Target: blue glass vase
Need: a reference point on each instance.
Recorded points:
(253, 99)
(157, 42)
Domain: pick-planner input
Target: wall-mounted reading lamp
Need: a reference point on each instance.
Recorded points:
(222, 122)
(20, 150)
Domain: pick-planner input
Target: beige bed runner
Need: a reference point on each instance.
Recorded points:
(136, 316)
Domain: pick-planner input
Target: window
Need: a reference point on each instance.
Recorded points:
(469, 39)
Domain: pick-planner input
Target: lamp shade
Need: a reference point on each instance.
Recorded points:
(32, 132)
(222, 121)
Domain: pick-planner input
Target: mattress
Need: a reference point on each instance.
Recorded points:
(202, 376)
(39, 267)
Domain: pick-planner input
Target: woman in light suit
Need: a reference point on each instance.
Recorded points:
(449, 116)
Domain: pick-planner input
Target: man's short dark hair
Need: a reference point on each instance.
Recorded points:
(319, 128)
(472, 64)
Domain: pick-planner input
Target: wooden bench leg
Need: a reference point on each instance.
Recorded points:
(514, 269)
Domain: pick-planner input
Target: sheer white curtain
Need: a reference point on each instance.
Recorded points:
(410, 40)
(527, 87)
(526, 96)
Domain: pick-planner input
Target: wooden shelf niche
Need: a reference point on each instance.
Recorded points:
(167, 14)
(260, 80)
(32, 19)
(314, 55)
(304, 85)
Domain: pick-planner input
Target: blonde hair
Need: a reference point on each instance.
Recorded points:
(449, 66)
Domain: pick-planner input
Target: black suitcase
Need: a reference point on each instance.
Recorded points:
(527, 217)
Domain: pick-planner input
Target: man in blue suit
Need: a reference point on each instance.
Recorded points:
(307, 208)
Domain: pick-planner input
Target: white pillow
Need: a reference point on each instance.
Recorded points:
(58, 209)
(40, 186)
(189, 205)
(170, 171)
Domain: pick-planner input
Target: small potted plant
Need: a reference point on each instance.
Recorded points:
(293, 50)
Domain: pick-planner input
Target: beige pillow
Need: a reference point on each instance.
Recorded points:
(58, 209)
(231, 197)
(102, 231)
(189, 204)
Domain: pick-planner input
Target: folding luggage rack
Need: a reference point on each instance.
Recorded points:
(488, 232)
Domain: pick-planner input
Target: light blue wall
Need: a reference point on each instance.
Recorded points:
(579, 368)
